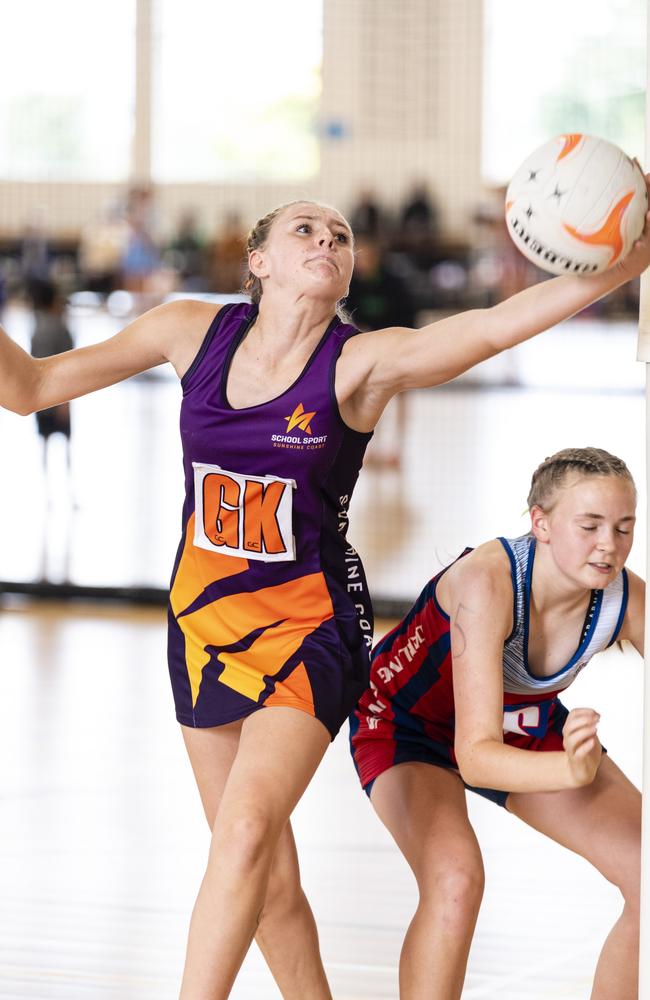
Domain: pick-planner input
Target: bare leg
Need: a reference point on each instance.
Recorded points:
(266, 780)
(602, 823)
(424, 809)
(286, 933)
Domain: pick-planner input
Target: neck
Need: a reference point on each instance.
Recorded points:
(287, 323)
(550, 590)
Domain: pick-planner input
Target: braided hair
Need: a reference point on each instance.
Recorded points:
(552, 473)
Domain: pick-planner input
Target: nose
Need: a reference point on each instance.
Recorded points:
(606, 541)
(326, 240)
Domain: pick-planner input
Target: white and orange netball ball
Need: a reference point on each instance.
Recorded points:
(576, 205)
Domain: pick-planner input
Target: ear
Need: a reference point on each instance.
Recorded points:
(257, 264)
(539, 524)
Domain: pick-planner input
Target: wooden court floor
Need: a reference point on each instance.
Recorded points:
(103, 841)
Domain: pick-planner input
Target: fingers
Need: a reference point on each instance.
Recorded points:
(578, 717)
(582, 746)
(580, 729)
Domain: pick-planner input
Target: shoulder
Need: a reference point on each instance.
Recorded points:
(181, 326)
(481, 580)
(634, 619)
(356, 386)
(186, 311)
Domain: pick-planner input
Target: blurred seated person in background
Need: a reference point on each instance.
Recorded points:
(186, 253)
(141, 256)
(35, 258)
(367, 215)
(419, 216)
(101, 247)
(498, 269)
(380, 298)
(50, 336)
(227, 254)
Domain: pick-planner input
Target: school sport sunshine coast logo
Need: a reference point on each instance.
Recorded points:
(300, 420)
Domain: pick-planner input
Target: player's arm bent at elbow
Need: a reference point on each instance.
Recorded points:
(633, 626)
(481, 620)
(170, 332)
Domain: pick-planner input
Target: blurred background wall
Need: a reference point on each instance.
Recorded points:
(139, 141)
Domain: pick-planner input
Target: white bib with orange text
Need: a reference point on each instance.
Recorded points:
(246, 516)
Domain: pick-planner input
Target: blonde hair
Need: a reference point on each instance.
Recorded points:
(256, 240)
(551, 475)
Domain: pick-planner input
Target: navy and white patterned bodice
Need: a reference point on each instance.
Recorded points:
(602, 625)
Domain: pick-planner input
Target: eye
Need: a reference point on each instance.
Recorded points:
(621, 532)
(343, 237)
(586, 527)
(303, 226)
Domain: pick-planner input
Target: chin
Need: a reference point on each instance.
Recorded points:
(603, 577)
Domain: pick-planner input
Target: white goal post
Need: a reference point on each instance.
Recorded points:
(643, 354)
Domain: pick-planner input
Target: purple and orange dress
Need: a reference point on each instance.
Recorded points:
(268, 603)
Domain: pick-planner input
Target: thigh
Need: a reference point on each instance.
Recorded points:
(601, 822)
(279, 750)
(212, 753)
(425, 810)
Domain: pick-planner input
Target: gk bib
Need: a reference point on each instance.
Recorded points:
(245, 516)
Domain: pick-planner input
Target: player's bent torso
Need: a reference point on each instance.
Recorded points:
(268, 602)
(410, 701)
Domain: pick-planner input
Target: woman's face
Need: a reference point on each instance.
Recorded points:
(309, 251)
(590, 528)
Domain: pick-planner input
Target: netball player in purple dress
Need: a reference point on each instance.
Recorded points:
(279, 400)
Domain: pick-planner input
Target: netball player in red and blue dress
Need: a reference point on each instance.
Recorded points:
(465, 693)
(268, 634)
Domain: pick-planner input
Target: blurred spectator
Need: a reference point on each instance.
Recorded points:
(367, 216)
(186, 253)
(378, 297)
(50, 336)
(101, 248)
(227, 255)
(498, 269)
(419, 215)
(141, 256)
(34, 256)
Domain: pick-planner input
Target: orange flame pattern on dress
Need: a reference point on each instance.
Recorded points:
(609, 233)
(234, 616)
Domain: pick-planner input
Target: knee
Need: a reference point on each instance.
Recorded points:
(243, 841)
(456, 888)
(628, 882)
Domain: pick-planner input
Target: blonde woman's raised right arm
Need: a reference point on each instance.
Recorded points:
(170, 332)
